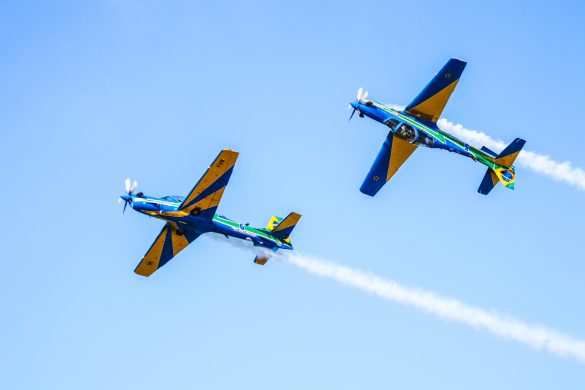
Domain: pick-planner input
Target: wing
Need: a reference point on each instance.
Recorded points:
(429, 104)
(166, 246)
(206, 195)
(393, 154)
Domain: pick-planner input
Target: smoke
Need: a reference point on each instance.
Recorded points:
(534, 336)
(540, 163)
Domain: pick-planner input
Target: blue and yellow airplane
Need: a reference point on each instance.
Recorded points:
(189, 217)
(416, 126)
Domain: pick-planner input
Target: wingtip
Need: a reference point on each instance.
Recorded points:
(457, 60)
(365, 192)
(143, 270)
(138, 272)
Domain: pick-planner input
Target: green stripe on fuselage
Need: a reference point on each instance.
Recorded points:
(217, 218)
(435, 134)
(441, 136)
(258, 232)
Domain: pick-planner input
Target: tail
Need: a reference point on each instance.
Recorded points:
(504, 170)
(282, 228)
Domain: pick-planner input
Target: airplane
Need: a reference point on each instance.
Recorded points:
(189, 217)
(416, 125)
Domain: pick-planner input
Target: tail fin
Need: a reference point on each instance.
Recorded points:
(282, 228)
(274, 221)
(489, 181)
(505, 172)
(508, 155)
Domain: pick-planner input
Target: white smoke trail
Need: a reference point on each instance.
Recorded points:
(540, 163)
(534, 336)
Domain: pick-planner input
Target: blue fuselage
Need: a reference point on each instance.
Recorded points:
(167, 209)
(415, 130)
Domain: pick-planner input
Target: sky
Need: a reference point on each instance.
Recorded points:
(94, 92)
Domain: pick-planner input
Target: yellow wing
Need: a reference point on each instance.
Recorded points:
(401, 151)
(393, 154)
(166, 246)
(206, 195)
(429, 104)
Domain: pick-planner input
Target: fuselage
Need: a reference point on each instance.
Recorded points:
(420, 132)
(167, 209)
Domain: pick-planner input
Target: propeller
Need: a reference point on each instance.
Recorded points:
(361, 96)
(129, 188)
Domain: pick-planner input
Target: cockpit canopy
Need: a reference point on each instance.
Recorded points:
(174, 198)
(409, 133)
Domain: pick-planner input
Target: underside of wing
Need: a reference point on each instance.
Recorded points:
(429, 104)
(206, 195)
(393, 154)
(166, 246)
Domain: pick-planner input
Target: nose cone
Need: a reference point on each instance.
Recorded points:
(355, 105)
(126, 198)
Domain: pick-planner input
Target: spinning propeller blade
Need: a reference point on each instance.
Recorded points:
(361, 96)
(129, 188)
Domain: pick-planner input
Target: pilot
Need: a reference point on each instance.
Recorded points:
(406, 132)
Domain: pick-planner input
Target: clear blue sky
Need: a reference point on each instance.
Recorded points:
(93, 92)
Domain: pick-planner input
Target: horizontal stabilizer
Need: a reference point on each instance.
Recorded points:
(488, 183)
(509, 155)
(286, 226)
(489, 151)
